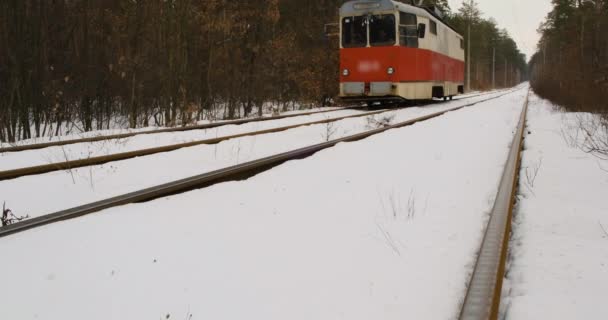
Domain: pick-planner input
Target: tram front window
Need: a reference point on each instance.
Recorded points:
(354, 32)
(382, 30)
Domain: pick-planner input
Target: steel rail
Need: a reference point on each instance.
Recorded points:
(79, 163)
(233, 173)
(166, 130)
(482, 299)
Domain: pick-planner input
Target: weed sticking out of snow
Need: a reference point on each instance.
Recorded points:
(8, 217)
(397, 206)
(587, 132)
(531, 174)
(85, 152)
(603, 229)
(330, 131)
(388, 238)
(380, 121)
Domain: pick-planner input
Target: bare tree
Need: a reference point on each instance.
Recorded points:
(86, 64)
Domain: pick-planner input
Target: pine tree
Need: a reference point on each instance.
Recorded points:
(571, 65)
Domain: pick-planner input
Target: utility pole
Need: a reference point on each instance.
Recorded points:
(469, 48)
(494, 68)
(506, 66)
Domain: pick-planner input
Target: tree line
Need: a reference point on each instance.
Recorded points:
(163, 61)
(496, 61)
(88, 64)
(570, 66)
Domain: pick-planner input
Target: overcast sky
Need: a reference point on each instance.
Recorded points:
(520, 17)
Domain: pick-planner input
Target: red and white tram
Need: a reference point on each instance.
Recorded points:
(394, 51)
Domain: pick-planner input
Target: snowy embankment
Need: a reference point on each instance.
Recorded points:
(65, 189)
(559, 247)
(383, 228)
(15, 160)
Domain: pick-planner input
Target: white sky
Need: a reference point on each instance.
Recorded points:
(520, 17)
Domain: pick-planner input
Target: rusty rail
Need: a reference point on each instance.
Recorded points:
(482, 300)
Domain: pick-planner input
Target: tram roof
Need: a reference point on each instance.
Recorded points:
(363, 7)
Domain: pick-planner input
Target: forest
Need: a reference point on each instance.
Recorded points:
(92, 65)
(571, 65)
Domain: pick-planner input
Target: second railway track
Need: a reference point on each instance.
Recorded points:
(73, 164)
(98, 160)
(233, 173)
(165, 130)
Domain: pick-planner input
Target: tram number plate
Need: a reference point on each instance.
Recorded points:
(367, 5)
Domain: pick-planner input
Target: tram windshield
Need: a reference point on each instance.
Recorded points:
(382, 30)
(354, 32)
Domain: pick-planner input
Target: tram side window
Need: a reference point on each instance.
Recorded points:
(408, 30)
(433, 27)
(382, 30)
(354, 32)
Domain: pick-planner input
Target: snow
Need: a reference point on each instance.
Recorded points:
(84, 185)
(559, 251)
(383, 228)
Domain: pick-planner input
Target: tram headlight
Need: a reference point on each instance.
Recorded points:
(345, 72)
(390, 70)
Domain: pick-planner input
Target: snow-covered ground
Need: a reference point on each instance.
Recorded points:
(383, 228)
(14, 160)
(559, 247)
(65, 189)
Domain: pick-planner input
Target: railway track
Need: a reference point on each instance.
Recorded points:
(233, 173)
(167, 130)
(79, 163)
(73, 164)
(482, 300)
(37, 146)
